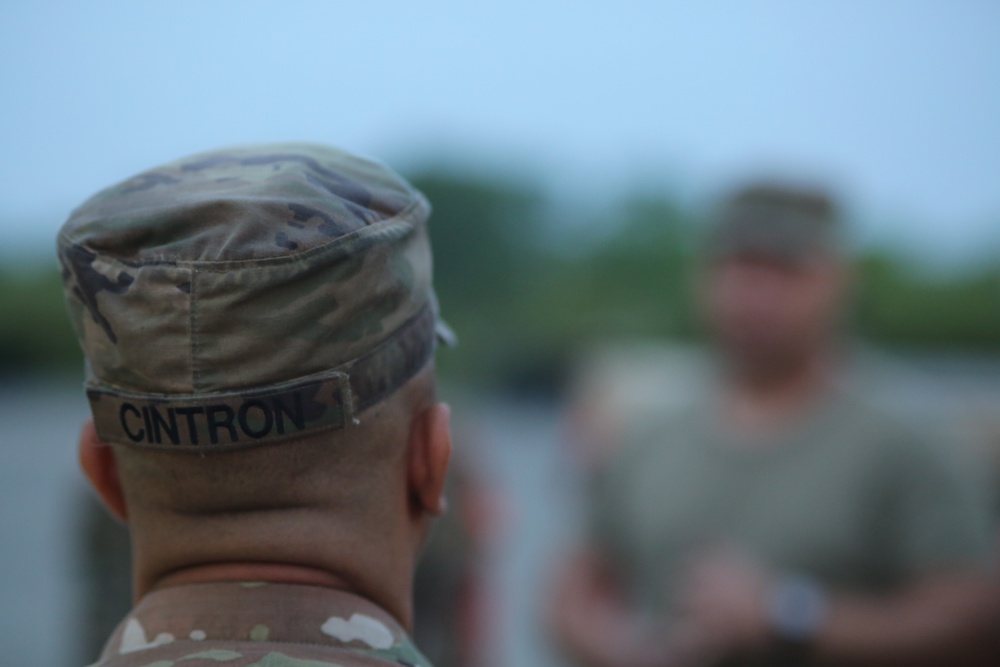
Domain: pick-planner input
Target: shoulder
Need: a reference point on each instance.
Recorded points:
(885, 427)
(256, 623)
(897, 455)
(898, 400)
(913, 455)
(253, 654)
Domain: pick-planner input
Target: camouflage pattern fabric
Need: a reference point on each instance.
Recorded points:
(249, 295)
(776, 221)
(253, 624)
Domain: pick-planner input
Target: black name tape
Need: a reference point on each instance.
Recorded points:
(226, 420)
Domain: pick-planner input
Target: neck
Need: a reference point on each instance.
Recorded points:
(293, 546)
(279, 573)
(762, 403)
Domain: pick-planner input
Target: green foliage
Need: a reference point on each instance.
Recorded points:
(637, 281)
(485, 260)
(898, 304)
(522, 305)
(482, 232)
(34, 330)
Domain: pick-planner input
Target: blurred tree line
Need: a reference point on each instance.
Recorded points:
(525, 288)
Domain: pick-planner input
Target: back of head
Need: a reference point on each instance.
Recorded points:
(247, 296)
(259, 325)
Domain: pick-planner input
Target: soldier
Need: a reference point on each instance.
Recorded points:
(259, 327)
(783, 517)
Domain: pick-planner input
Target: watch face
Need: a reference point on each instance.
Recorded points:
(797, 607)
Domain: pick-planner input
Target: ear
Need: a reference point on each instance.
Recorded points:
(428, 452)
(98, 463)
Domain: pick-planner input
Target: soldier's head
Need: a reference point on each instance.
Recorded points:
(775, 277)
(259, 327)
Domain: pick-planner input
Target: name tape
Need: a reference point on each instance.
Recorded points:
(225, 419)
(259, 416)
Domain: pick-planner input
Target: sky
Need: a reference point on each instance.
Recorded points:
(893, 103)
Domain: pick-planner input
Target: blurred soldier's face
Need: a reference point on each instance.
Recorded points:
(769, 314)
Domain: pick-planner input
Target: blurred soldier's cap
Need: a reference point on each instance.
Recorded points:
(248, 296)
(777, 221)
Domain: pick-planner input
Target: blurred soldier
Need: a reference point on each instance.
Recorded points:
(782, 518)
(259, 327)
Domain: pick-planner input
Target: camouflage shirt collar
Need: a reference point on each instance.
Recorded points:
(258, 617)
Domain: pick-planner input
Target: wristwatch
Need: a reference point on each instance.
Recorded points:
(796, 608)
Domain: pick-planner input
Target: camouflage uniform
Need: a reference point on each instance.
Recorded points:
(239, 298)
(254, 624)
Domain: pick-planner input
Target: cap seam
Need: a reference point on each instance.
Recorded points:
(243, 264)
(195, 347)
(419, 202)
(103, 385)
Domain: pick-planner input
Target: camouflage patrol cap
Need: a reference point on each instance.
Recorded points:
(248, 296)
(778, 221)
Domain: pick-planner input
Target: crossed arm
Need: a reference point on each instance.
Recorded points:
(948, 618)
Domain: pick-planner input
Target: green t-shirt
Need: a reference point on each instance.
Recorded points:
(849, 495)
